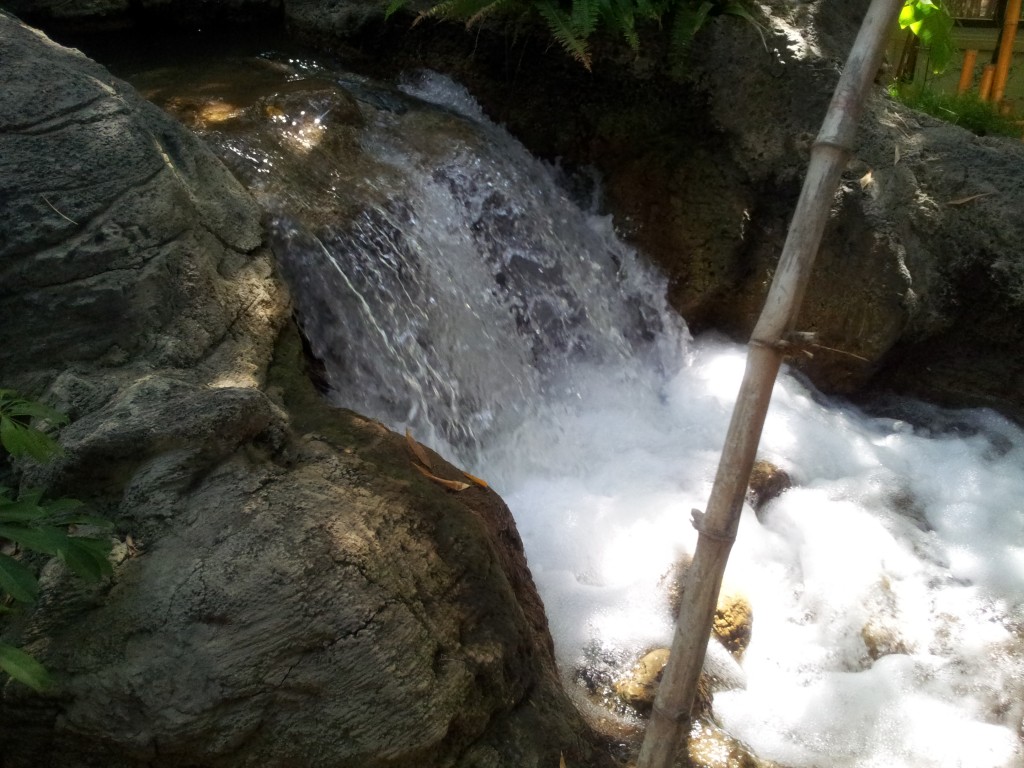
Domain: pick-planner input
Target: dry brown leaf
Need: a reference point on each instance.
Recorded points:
(867, 180)
(561, 760)
(451, 485)
(962, 200)
(417, 450)
(475, 479)
(134, 547)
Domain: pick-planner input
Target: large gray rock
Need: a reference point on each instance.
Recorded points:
(122, 238)
(293, 591)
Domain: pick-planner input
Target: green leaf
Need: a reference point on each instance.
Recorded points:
(20, 511)
(931, 22)
(24, 668)
(17, 580)
(20, 440)
(34, 410)
(88, 558)
(48, 540)
(393, 7)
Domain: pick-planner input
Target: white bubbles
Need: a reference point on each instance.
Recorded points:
(884, 585)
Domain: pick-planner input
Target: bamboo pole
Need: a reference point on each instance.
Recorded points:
(985, 86)
(670, 717)
(967, 70)
(1011, 18)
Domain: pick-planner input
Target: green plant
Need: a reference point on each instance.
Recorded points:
(933, 25)
(30, 524)
(572, 23)
(966, 110)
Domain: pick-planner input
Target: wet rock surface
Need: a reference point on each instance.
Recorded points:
(293, 591)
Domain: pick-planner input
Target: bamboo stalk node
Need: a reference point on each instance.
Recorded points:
(675, 715)
(793, 343)
(698, 521)
(666, 732)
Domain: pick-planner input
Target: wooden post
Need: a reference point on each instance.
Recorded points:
(967, 70)
(670, 717)
(985, 86)
(1011, 18)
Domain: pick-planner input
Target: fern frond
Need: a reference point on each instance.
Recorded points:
(619, 16)
(561, 27)
(497, 6)
(688, 21)
(584, 17)
(739, 9)
(456, 10)
(645, 9)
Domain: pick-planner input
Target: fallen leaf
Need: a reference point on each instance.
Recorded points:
(475, 479)
(451, 485)
(417, 449)
(897, 160)
(866, 180)
(561, 760)
(962, 200)
(134, 547)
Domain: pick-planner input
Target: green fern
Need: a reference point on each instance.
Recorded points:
(460, 10)
(620, 16)
(561, 27)
(687, 22)
(584, 17)
(572, 23)
(498, 6)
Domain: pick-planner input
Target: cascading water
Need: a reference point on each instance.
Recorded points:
(449, 284)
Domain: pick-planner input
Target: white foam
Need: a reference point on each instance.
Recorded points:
(910, 537)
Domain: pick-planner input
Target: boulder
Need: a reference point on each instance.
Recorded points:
(288, 589)
(733, 620)
(640, 685)
(124, 241)
(767, 482)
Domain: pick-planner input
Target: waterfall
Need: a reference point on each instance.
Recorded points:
(451, 284)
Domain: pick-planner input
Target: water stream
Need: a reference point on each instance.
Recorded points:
(453, 284)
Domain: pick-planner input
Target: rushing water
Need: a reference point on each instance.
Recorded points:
(450, 284)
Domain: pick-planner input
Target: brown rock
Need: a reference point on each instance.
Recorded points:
(733, 623)
(767, 482)
(639, 687)
(734, 617)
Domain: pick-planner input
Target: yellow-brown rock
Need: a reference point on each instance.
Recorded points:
(734, 616)
(767, 481)
(639, 687)
(734, 621)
